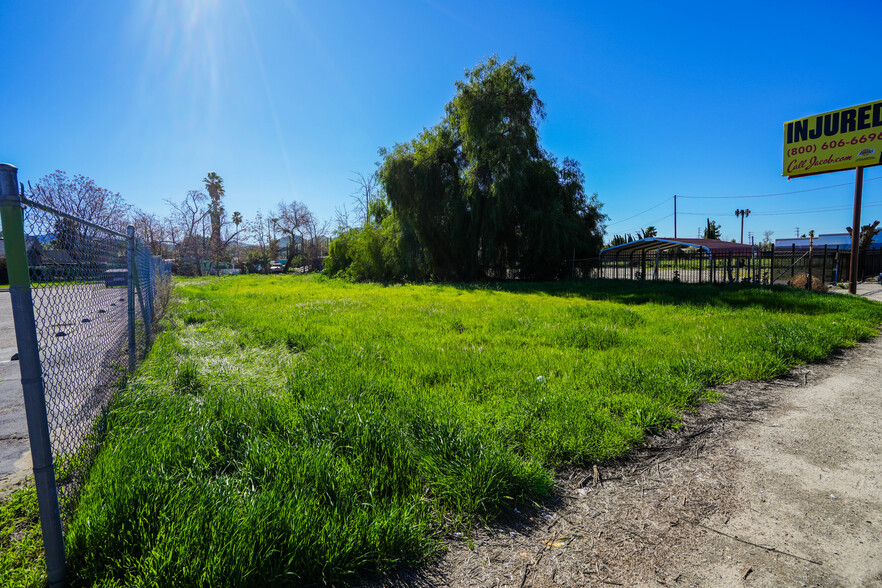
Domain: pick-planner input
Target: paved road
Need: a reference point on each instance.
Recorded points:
(15, 455)
(82, 333)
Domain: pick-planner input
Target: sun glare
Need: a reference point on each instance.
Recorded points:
(184, 42)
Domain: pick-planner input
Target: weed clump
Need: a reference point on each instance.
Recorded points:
(801, 280)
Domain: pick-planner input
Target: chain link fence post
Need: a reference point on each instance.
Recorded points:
(130, 281)
(31, 373)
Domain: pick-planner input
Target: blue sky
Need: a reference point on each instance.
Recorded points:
(287, 100)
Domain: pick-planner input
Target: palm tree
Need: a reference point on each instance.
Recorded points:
(214, 184)
(237, 220)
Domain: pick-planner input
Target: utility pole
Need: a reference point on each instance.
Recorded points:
(675, 216)
(797, 231)
(742, 212)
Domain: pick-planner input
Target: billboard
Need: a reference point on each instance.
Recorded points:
(834, 141)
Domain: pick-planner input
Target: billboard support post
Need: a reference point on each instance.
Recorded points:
(835, 141)
(856, 230)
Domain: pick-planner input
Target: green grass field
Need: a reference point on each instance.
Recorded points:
(297, 430)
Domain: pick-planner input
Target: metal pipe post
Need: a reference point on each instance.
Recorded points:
(130, 258)
(31, 373)
(808, 282)
(856, 230)
(836, 266)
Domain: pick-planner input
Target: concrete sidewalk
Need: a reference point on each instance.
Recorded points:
(871, 290)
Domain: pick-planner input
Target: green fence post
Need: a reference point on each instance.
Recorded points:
(31, 373)
(130, 262)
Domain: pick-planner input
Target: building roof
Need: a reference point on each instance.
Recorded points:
(712, 246)
(842, 240)
(57, 257)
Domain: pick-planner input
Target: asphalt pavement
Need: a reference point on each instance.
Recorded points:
(15, 454)
(82, 330)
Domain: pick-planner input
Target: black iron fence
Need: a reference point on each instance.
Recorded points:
(776, 265)
(84, 301)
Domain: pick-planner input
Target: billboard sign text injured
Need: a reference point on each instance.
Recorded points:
(834, 141)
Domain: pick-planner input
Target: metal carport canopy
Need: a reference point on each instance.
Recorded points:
(712, 246)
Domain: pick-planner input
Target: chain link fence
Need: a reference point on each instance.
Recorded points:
(85, 299)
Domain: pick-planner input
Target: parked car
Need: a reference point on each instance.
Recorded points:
(276, 267)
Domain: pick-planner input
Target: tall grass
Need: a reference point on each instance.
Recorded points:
(292, 431)
(22, 564)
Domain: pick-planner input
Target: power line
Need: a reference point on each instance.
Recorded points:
(708, 213)
(819, 210)
(781, 193)
(662, 203)
(773, 213)
(650, 223)
(871, 204)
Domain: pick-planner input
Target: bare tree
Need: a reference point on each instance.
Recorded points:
(188, 217)
(315, 242)
(341, 219)
(262, 232)
(293, 219)
(151, 229)
(82, 197)
(366, 193)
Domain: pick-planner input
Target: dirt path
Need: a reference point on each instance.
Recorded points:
(779, 485)
(810, 485)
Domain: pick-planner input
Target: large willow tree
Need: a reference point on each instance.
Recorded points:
(479, 192)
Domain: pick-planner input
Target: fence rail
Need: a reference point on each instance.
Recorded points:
(84, 304)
